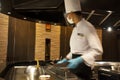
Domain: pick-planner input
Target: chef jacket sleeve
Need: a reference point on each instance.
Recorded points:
(69, 55)
(95, 47)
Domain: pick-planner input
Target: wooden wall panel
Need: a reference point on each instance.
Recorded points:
(65, 38)
(111, 45)
(21, 40)
(3, 39)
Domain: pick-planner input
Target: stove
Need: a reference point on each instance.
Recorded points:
(38, 72)
(33, 73)
(111, 73)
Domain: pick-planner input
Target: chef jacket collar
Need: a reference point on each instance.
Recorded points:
(80, 22)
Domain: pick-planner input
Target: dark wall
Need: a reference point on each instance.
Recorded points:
(64, 38)
(17, 2)
(21, 40)
(111, 45)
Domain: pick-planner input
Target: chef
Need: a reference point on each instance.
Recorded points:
(85, 45)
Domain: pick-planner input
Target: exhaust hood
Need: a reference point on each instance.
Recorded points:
(44, 10)
(95, 11)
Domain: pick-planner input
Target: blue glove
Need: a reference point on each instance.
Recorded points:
(62, 61)
(74, 63)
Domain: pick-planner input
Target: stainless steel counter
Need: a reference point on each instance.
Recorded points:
(31, 73)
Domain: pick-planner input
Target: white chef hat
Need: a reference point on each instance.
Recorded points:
(72, 6)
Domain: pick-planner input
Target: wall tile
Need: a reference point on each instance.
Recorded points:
(3, 40)
(41, 35)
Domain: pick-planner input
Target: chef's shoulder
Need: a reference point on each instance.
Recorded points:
(88, 27)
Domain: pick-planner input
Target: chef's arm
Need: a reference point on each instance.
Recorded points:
(69, 56)
(95, 48)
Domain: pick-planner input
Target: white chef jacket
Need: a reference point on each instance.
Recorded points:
(84, 40)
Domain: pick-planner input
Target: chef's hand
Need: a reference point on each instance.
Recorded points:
(62, 61)
(74, 63)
